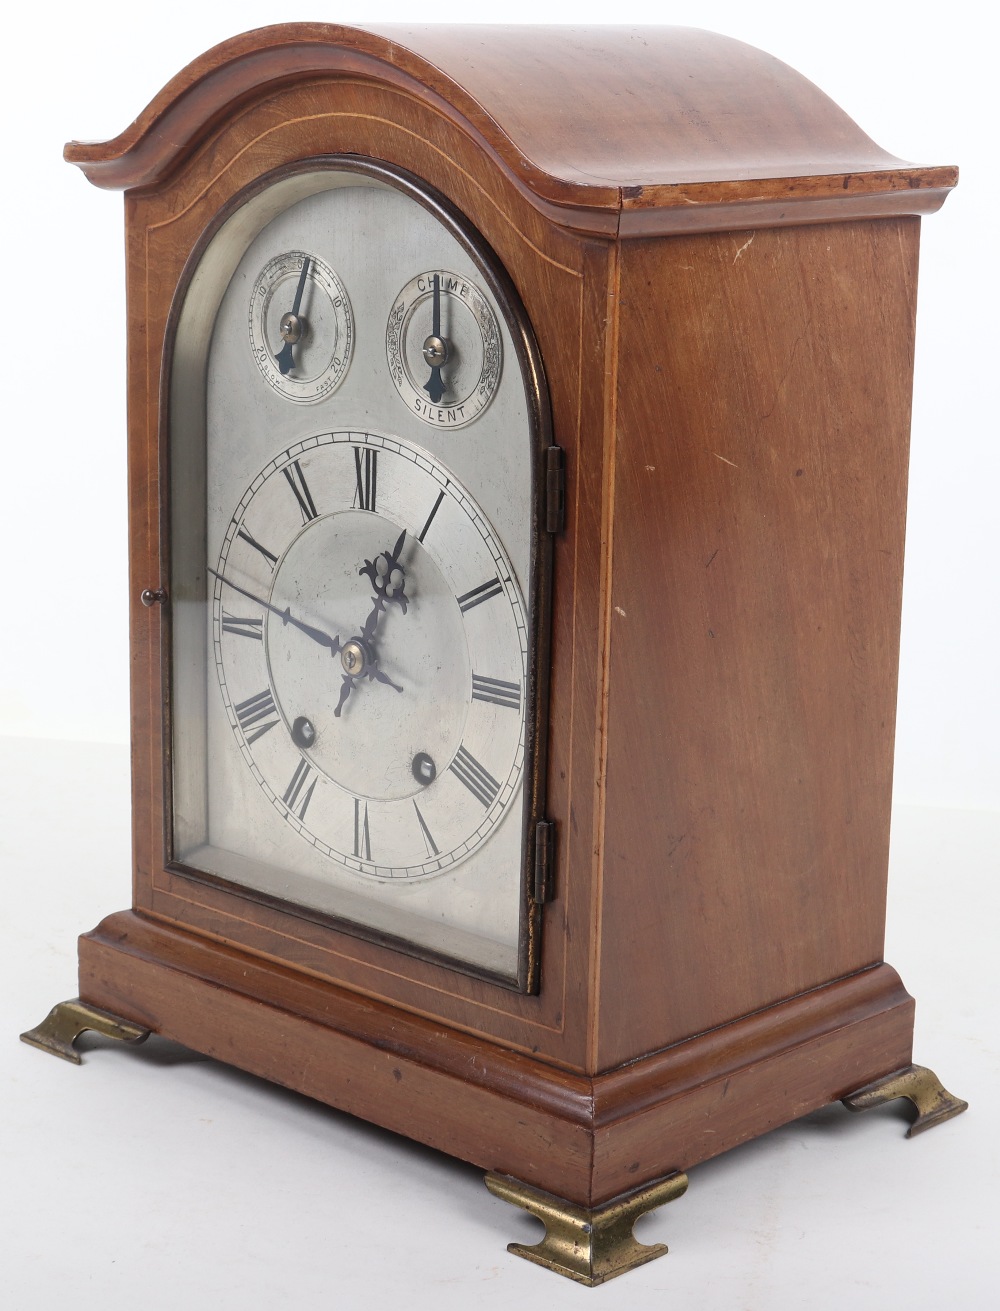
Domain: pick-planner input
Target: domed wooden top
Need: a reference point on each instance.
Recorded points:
(639, 129)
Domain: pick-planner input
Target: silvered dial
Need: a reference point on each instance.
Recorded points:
(443, 348)
(301, 326)
(371, 651)
(353, 710)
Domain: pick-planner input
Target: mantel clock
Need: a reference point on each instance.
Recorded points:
(516, 532)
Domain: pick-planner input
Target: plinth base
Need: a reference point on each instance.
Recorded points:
(586, 1154)
(585, 1138)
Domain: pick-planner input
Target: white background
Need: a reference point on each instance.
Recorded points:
(166, 1181)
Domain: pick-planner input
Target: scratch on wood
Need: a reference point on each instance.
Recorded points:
(724, 460)
(620, 611)
(745, 245)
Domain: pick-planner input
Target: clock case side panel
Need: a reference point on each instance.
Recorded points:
(761, 462)
(562, 281)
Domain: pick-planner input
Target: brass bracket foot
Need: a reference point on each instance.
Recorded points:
(64, 1023)
(588, 1246)
(921, 1086)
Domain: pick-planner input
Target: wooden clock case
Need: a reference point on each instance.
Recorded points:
(720, 271)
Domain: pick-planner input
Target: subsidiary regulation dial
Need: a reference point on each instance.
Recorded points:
(444, 349)
(301, 326)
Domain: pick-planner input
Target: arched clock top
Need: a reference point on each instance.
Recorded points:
(616, 130)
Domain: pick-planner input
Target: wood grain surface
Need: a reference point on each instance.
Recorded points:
(760, 483)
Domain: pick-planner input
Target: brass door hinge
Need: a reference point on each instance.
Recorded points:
(545, 861)
(555, 489)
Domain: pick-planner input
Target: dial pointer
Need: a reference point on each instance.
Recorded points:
(435, 348)
(291, 324)
(286, 617)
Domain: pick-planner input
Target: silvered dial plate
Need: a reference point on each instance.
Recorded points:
(232, 432)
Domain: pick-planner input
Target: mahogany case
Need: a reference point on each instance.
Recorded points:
(720, 270)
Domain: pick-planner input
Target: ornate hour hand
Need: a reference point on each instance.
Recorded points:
(435, 348)
(367, 668)
(389, 581)
(291, 326)
(388, 578)
(286, 617)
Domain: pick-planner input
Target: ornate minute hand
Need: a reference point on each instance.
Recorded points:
(286, 617)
